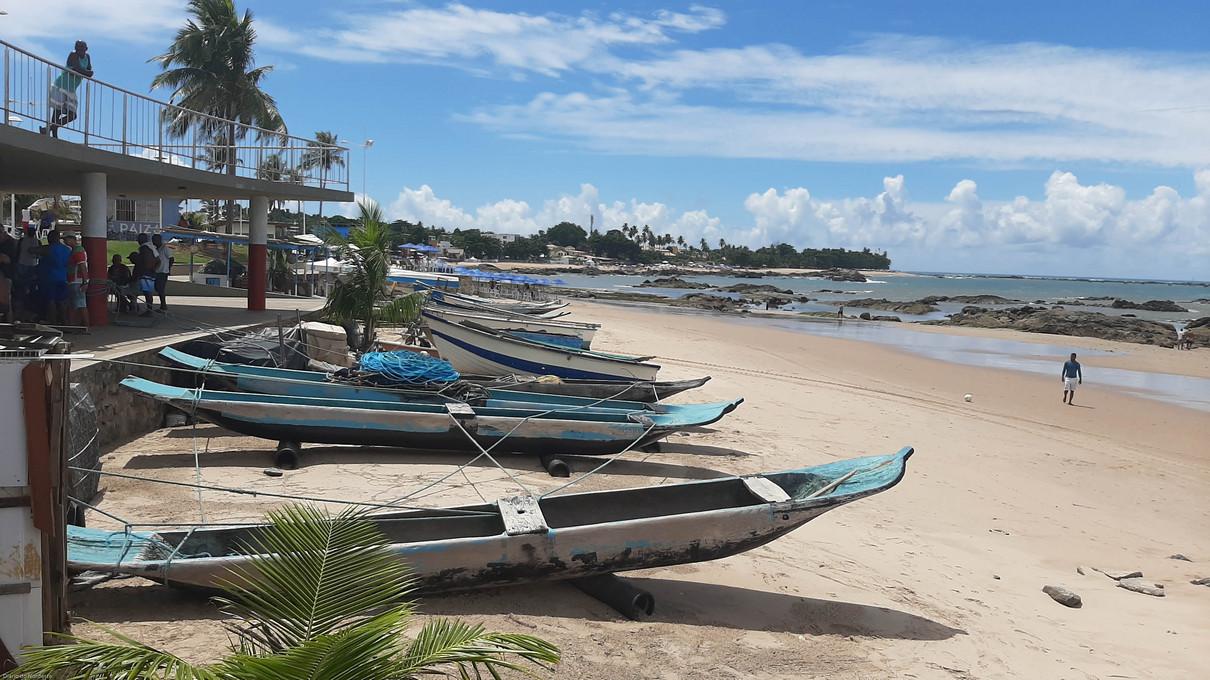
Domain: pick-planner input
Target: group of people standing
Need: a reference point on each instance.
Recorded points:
(45, 282)
(48, 282)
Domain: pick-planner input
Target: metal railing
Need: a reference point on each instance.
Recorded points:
(107, 117)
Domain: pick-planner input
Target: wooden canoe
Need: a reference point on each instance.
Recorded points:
(533, 428)
(525, 539)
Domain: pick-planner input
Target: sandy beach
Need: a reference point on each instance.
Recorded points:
(940, 577)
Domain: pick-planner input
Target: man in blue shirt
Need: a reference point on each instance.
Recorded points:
(1071, 377)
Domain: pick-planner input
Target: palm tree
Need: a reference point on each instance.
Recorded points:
(361, 294)
(322, 153)
(680, 241)
(210, 68)
(325, 598)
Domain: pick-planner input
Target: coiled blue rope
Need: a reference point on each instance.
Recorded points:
(405, 368)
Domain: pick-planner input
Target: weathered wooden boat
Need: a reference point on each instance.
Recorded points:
(474, 302)
(295, 383)
(519, 428)
(477, 349)
(527, 327)
(525, 539)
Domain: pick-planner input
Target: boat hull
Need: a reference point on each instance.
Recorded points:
(585, 332)
(475, 351)
(584, 534)
(509, 427)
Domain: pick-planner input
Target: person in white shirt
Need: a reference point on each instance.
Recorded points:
(162, 269)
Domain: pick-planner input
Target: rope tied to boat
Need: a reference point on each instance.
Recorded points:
(404, 368)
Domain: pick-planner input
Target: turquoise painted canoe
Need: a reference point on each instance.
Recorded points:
(526, 539)
(433, 426)
(289, 382)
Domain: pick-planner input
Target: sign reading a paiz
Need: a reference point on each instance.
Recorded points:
(130, 230)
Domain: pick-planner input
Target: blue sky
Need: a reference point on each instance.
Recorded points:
(1029, 137)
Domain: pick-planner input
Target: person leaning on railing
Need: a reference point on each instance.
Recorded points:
(63, 102)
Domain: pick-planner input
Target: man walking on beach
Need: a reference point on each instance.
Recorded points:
(1071, 377)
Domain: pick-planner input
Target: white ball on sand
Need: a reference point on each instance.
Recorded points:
(969, 397)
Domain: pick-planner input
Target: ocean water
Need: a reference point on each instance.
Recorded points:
(1193, 295)
(1044, 358)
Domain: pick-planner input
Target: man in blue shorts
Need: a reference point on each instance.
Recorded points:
(1071, 377)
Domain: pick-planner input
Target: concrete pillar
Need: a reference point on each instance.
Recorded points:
(258, 236)
(94, 207)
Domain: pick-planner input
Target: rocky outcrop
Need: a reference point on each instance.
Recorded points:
(835, 274)
(711, 303)
(672, 282)
(755, 288)
(1066, 322)
(866, 316)
(914, 307)
(1197, 332)
(1149, 306)
(970, 299)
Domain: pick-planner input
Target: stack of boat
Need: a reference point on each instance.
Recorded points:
(527, 382)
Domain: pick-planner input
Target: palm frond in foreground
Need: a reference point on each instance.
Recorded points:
(325, 598)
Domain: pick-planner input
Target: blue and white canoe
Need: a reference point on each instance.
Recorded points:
(551, 331)
(497, 305)
(477, 349)
(426, 425)
(294, 383)
(526, 539)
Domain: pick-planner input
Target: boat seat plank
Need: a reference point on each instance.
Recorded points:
(522, 515)
(763, 488)
(460, 410)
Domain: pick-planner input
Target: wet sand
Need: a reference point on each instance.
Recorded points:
(940, 577)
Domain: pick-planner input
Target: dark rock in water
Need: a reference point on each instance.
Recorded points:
(708, 302)
(755, 288)
(865, 316)
(971, 299)
(1067, 322)
(1063, 596)
(878, 317)
(1126, 316)
(917, 307)
(672, 282)
(835, 274)
(1139, 585)
(1149, 306)
(1180, 557)
(1197, 332)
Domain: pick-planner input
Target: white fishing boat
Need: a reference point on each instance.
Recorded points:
(524, 324)
(478, 349)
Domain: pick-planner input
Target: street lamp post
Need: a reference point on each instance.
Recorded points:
(365, 148)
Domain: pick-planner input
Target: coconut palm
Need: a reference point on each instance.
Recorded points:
(361, 294)
(211, 69)
(322, 153)
(326, 598)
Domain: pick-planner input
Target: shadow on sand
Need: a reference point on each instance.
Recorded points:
(703, 604)
(335, 455)
(677, 602)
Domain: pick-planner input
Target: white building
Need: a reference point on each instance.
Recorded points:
(502, 238)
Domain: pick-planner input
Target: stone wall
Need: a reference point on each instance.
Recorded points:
(122, 414)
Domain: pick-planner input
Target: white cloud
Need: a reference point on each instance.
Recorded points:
(583, 208)
(892, 99)
(468, 37)
(70, 20)
(795, 217)
(422, 205)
